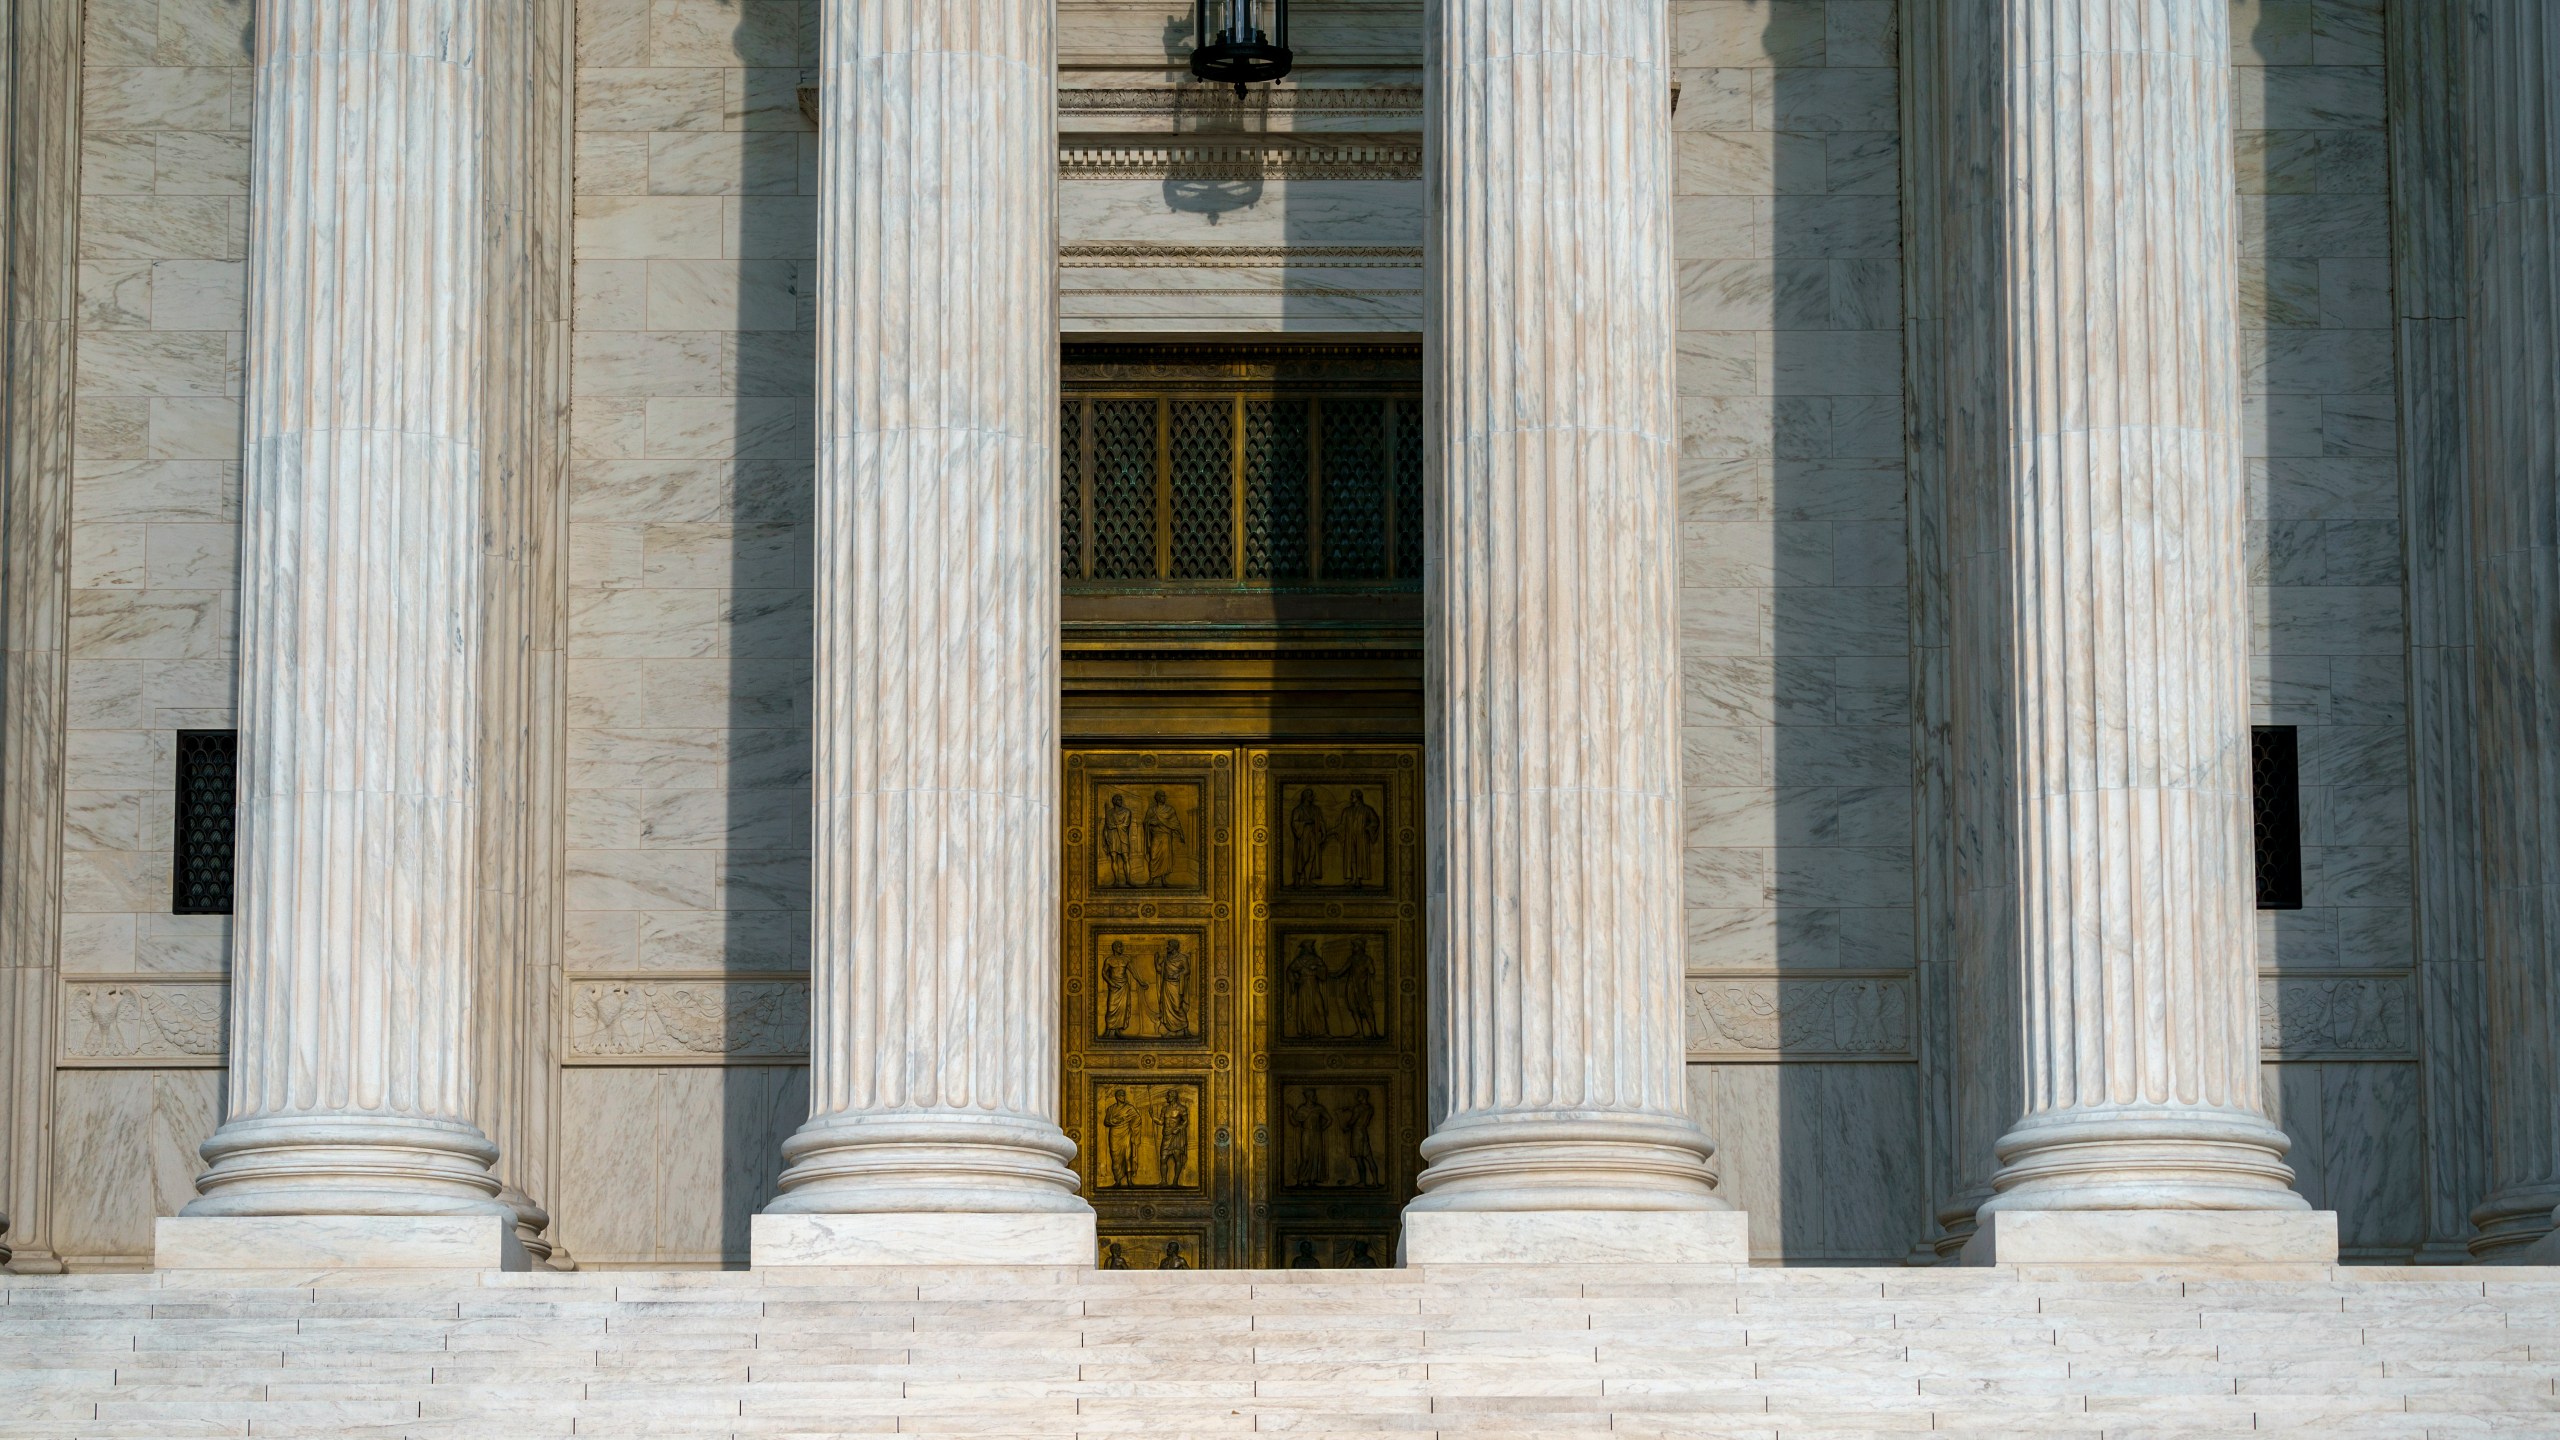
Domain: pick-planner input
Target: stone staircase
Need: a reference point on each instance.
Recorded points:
(1699, 1351)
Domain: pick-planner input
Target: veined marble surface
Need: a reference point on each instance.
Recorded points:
(1552, 685)
(2511, 142)
(351, 1080)
(934, 891)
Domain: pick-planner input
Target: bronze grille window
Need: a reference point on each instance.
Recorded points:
(2275, 805)
(200, 868)
(1241, 466)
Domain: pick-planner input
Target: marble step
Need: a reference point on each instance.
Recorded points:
(2345, 1354)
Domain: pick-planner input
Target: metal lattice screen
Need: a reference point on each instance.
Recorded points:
(201, 862)
(2275, 812)
(1240, 468)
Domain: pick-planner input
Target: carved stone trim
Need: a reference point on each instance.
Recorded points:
(2361, 1016)
(155, 1021)
(1793, 1018)
(1206, 101)
(1246, 158)
(1138, 255)
(652, 1020)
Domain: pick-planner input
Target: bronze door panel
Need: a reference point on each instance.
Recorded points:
(1151, 1018)
(1243, 1002)
(1335, 897)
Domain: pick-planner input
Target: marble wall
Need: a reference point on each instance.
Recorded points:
(2322, 442)
(155, 506)
(690, 482)
(1797, 685)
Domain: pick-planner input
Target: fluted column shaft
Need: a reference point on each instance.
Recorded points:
(1554, 666)
(2512, 376)
(2107, 579)
(933, 1000)
(351, 1053)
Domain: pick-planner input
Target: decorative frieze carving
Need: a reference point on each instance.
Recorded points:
(1208, 102)
(1248, 157)
(155, 1022)
(1139, 255)
(1857, 1017)
(2335, 1017)
(699, 1022)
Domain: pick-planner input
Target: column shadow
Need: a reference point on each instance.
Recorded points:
(762, 873)
(1829, 450)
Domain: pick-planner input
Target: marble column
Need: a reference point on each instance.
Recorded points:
(1964, 904)
(2422, 50)
(350, 1139)
(39, 304)
(933, 1077)
(2512, 376)
(2106, 579)
(1559, 1086)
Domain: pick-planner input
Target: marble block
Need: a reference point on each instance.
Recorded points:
(337, 1242)
(924, 1238)
(1575, 1237)
(2154, 1237)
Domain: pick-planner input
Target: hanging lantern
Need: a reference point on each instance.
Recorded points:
(1240, 42)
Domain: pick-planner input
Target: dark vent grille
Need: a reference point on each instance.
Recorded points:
(1124, 490)
(1192, 469)
(208, 791)
(2275, 805)
(1203, 468)
(1275, 489)
(1355, 485)
(1070, 490)
(1409, 489)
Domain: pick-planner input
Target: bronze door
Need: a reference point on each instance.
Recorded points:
(1243, 1001)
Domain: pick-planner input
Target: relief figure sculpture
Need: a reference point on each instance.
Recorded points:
(1119, 826)
(1120, 1140)
(1115, 1258)
(1356, 984)
(1173, 1257)
(1357, 1119)
(1360, 827)
(1116, 983)
(1163, 827)
(114, 1018)
(1173, 990)
(1173, 1141)
(1307, 836)
(1306, 975)
(1305, 1258)
(1313, 1124)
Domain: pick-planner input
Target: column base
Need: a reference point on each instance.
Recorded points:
(2545, 1251)
(1575, 1237)
(337, 1242)
(2154, 1237)
(924, 1238)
